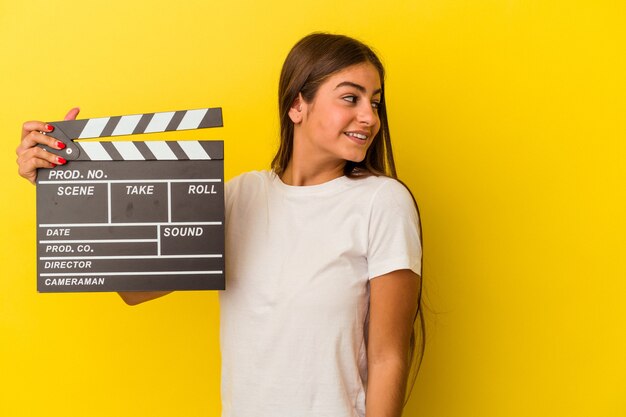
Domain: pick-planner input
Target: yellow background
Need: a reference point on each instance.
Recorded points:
(508, 118)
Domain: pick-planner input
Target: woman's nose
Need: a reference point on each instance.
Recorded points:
(367, 114)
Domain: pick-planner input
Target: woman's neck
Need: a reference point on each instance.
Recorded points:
(301, 174)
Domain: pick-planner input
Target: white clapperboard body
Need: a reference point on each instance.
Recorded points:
(132, 216)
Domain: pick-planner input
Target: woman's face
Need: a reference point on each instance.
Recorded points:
(341, 121)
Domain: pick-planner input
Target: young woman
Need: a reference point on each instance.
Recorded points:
(324, 251)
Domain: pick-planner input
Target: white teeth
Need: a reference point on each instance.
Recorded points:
(356, 135)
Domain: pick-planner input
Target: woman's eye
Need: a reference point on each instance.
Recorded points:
(351, 99)
(375, 105)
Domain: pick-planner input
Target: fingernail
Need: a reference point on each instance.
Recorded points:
(54, 165)
(61, 160)
(60, 145)
(49, 128)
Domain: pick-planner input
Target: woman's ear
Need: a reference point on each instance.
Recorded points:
(295, 111)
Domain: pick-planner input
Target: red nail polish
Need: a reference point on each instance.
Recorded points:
(49, 128)
(61, 160)
(60, 145)
(54, 165)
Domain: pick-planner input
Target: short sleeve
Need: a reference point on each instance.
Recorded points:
(394, 231)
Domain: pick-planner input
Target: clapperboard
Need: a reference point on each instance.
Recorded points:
(132, 216)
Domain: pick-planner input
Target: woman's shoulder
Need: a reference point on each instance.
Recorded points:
(250, 177)
(387, 192)
(381, 184)
(248, 182)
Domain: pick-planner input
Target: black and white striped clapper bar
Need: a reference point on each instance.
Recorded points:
(132, 216)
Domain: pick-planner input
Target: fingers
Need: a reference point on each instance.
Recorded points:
(71, 115)
(31, 159)
(31, 135)
(37, 153)
(34, 138)
(28, 127)
(44, 127)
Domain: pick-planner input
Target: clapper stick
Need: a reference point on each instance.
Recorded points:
(132, 215)
(69, 130)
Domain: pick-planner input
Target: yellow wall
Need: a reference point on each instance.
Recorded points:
(509, 124)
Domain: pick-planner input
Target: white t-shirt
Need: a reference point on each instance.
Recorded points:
(298, 264)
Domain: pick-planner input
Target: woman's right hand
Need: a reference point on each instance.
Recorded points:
(30, 157)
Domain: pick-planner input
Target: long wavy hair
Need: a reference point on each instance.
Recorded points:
(309, 63)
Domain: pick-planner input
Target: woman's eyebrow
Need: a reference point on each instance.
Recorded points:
(357, 86)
